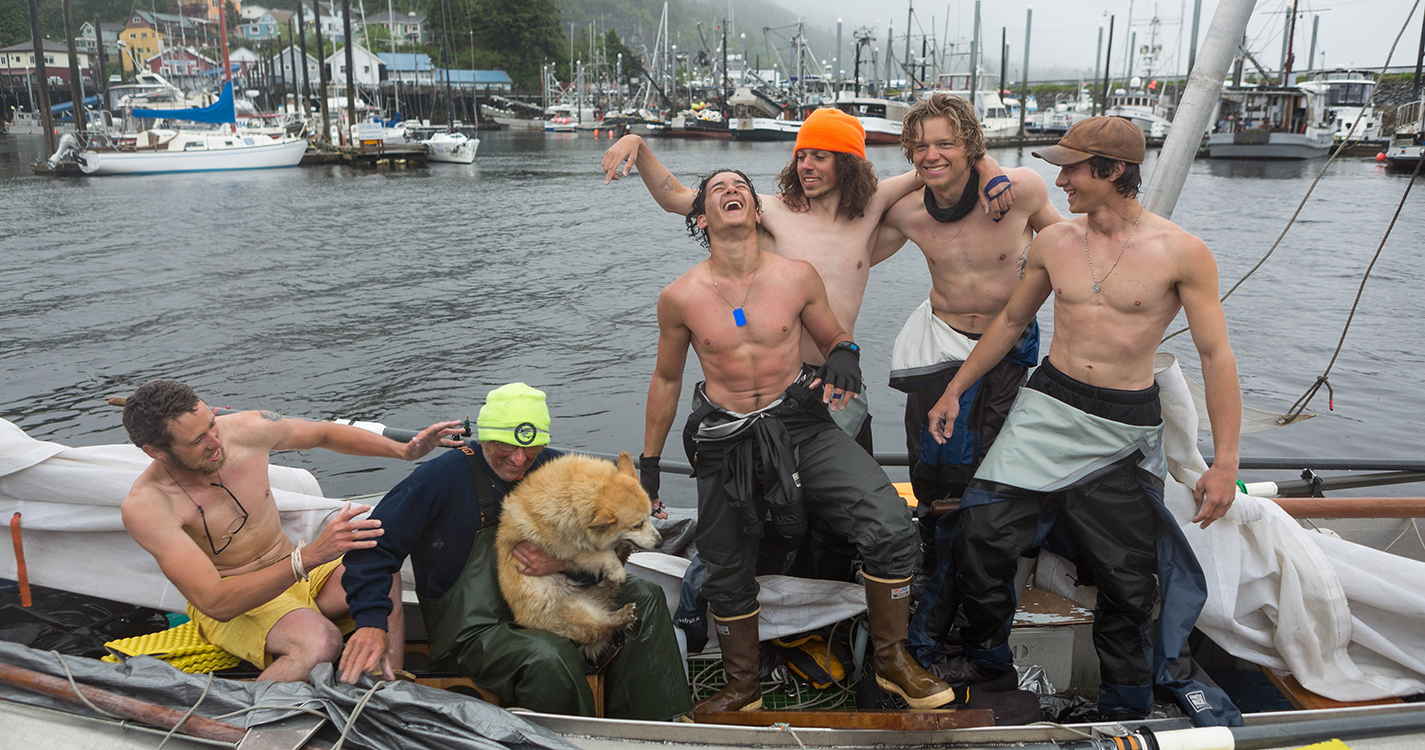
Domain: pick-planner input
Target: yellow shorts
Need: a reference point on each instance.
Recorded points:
(245, 636)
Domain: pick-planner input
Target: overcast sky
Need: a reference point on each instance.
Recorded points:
(1353, 33)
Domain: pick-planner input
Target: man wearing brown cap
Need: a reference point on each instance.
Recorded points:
(1083, 443)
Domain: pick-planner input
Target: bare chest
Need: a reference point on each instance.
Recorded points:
(973, 245)
(838, 249)
(1139, 282)
(726, 321)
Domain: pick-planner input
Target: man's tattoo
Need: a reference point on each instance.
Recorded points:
(1023, 261)
(270, 416)
(667, 184)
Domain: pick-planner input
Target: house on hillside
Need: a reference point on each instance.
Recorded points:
(181, 61)
(405, 28)
(183, 31)
(262, 28)
(108, 35)
(18, 61)
(370, 69)
(285, 71)
(139, 40)
(206, 9)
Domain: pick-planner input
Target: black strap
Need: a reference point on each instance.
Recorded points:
(489, 506)
(690, 430)
(960, 210)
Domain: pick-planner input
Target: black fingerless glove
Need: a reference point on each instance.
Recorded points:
(648, 475)
(843, 368)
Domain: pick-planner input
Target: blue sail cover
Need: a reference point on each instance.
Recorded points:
(219, 111)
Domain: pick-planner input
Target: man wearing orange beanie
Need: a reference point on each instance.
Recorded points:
(829, 208)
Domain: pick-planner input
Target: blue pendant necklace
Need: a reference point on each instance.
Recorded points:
(738, 315)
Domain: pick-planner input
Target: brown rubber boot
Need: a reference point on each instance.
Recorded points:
(888, 608)
(741, 661)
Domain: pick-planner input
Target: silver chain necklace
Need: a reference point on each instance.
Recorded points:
(1097, 282)
(738, 315)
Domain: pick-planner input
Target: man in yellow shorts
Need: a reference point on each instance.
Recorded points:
(205, 511)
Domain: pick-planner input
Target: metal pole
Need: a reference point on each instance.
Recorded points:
(1204, 87)
(323, 77)
(76, 86)
(1003, 58)
(835, 58)
(1097, 58)
(350, 69)
(1192, 43)
(975, 54)
(102, 82)
(1290, 46)
(1286, 43)
(1311, 56)
(905, 62)
(1024, 74)
(292, 58)
(1107, 76)
(42, 80)
(1419, 59)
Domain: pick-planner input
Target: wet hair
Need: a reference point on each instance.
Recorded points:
(700, 204)
(148, 411)
(1127, 183)
(855, 178)
(963, 123)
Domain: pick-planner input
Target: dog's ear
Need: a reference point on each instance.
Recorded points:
(625, 464)
(603, 519)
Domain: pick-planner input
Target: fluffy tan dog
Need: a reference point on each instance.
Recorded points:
(590, 515)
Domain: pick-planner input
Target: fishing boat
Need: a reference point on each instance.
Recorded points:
(880, 117)
(1142, 107)
(703, 122)
(171, 150)
(1271, 122)
(763, 129)
(1404, 151)
(1347, 95)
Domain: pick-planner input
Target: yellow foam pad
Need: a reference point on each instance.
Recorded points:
(906, 493)
(1328, 745)
(180, 646)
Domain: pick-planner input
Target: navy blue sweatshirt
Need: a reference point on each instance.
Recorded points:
(432, 517)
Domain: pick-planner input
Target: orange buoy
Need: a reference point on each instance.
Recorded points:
(1380, 156)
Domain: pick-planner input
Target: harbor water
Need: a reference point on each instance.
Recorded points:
(404, 296)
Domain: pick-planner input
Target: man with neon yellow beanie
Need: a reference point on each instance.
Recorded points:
(444, 516)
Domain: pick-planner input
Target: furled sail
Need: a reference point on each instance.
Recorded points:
(220, 111)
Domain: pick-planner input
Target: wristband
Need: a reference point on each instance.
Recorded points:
(849, 346)
(298, 570)
(648, 475)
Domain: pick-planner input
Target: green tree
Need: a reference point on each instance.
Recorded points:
(517, 36)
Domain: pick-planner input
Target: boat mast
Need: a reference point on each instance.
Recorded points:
(1204, 87)
(1290, 46)
(445, 47)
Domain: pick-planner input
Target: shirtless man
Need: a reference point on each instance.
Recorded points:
(760, 416)
(975, 263)
(839, 205)
(1084, 438)
(205, 511)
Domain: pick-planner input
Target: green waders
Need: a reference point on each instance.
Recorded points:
(471, 625)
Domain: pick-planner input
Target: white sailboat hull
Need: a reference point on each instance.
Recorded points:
(247, 152)
(451, 148)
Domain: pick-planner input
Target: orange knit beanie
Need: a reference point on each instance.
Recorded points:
(832, 130)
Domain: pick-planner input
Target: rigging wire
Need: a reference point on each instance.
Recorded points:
(1296, 409)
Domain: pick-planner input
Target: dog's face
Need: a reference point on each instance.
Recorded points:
(621, 513)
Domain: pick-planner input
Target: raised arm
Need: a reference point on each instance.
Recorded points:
(630, 151)
(997, 340)
(1197, 289)
(157, 529)
(274, 432)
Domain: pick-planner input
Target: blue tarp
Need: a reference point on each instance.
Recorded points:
(220, 111)
(66, 106)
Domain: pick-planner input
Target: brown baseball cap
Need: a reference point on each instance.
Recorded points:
(1110, 137)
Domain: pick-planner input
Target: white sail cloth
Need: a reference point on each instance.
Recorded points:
(1343, 618)
(74, 539)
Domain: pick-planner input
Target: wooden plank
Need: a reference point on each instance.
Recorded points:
(1352, 507)
(931, 719)
(1040, 608)
(1304, 699)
